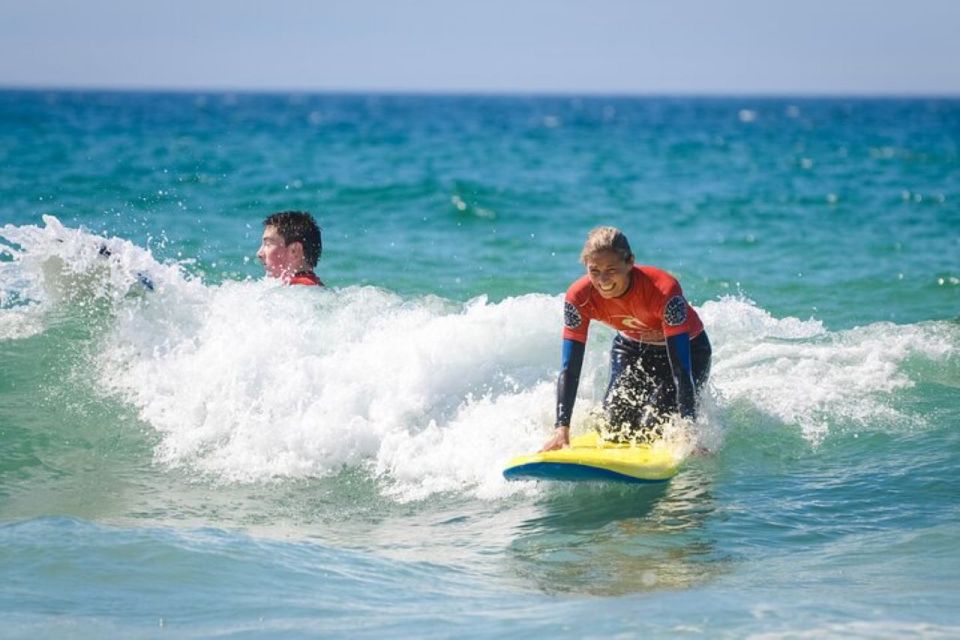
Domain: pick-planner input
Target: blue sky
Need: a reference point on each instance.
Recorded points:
(533, 46)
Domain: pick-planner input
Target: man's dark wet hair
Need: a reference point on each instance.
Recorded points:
(298, 226)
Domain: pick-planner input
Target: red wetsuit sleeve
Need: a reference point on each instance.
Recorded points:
(676, 316)
(576, 318)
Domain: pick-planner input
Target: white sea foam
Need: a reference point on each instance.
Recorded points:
(877, 629)
(804, 376)
(21, 315)
(249, 381)
(254, 380)
(55, 265)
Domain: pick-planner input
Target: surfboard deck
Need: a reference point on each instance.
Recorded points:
(590, 458)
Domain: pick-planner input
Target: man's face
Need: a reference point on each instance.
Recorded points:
(278, 259)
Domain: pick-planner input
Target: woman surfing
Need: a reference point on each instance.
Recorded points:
(660, 357)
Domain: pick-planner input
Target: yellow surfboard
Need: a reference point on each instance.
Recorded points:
(590, 458)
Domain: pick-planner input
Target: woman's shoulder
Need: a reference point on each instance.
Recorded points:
(579, 292)
(658, 278)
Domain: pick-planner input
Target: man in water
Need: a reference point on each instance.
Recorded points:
(660, 358)
(290, 247)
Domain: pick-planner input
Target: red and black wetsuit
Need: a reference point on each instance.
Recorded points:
(307, 278)
(660, 356)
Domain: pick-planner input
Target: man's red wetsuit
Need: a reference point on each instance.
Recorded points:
(660, 356)
(307, 278)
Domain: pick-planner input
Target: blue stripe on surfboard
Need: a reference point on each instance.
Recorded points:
(571, 472)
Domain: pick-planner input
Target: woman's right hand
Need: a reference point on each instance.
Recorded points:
(560, 440)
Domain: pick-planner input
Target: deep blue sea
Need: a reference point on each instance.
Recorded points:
(222, 456)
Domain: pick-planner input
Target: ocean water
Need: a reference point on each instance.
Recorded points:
(222, 456)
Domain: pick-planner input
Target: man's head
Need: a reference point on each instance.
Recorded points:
(291, 243)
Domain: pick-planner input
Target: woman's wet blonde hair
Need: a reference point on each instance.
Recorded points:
(606, 239)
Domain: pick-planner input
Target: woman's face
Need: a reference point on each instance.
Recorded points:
(609, 273)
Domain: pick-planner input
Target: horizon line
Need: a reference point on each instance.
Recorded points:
(493, 93)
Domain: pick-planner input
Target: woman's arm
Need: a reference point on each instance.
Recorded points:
(567, 383)
(681, 368)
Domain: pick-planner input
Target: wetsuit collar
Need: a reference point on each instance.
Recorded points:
(629, 285)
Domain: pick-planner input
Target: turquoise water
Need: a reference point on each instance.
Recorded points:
(225, 457)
